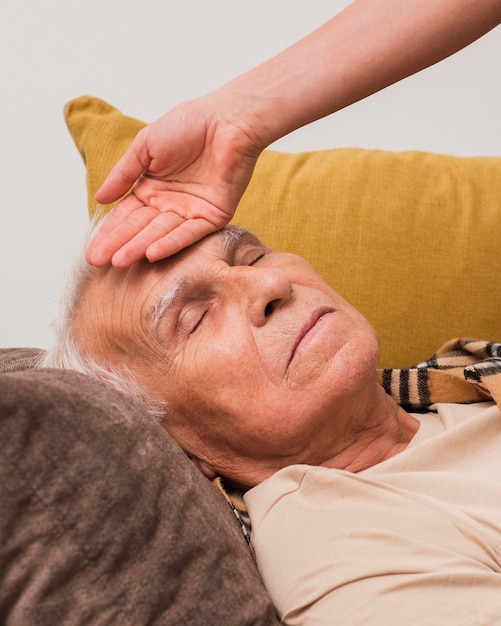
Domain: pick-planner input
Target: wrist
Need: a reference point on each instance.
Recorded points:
(249, 113)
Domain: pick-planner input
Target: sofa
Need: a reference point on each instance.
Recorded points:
(103, 518)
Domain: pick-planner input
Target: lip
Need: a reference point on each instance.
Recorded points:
(308, 326)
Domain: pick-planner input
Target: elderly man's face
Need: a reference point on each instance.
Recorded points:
(259, 360)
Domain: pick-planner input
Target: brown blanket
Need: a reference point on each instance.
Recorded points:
(103, 519)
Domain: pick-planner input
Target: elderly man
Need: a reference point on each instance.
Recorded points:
(362, 513)
(258, 362)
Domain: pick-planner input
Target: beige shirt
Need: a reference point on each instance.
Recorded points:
(413, 540)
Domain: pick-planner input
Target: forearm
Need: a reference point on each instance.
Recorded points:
(366, 47)
(193, 164)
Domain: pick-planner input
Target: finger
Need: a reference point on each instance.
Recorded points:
(126, 171)
(117, 230)
(135, 248)
(186, 234)
(119, 214)
(112, 221)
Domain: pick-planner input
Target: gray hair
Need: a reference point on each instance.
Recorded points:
(67, 354)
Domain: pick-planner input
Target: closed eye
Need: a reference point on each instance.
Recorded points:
(263, 254)
(192, 316)
(199, 322)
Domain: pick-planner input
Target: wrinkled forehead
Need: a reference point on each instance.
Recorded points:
(109, 286)
(225, 239)
(120, 305)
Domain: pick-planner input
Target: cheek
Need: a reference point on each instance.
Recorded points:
(218, 375)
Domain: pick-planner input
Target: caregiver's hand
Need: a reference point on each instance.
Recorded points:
(195, 162)
(191, 167)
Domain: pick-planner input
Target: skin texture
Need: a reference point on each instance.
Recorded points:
(262, 365)
(191, 167)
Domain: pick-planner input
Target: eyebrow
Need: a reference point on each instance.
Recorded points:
(166, 303)
(230, 239)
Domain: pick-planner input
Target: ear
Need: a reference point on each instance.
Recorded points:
(206, 470)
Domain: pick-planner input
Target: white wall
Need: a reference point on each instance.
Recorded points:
(144, 57)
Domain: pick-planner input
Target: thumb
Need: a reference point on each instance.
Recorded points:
(126, 171)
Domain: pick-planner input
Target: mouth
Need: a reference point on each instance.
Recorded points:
(308, 328)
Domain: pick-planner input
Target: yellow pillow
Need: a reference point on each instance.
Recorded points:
(102, 135)
(411, 239)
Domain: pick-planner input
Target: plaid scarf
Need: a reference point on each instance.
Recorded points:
(461, 371)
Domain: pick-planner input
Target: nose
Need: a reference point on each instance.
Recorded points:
(261, 291)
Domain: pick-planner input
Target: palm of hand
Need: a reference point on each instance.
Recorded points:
(190, 182)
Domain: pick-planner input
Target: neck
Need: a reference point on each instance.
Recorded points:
(383, 434)
(377, 429)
